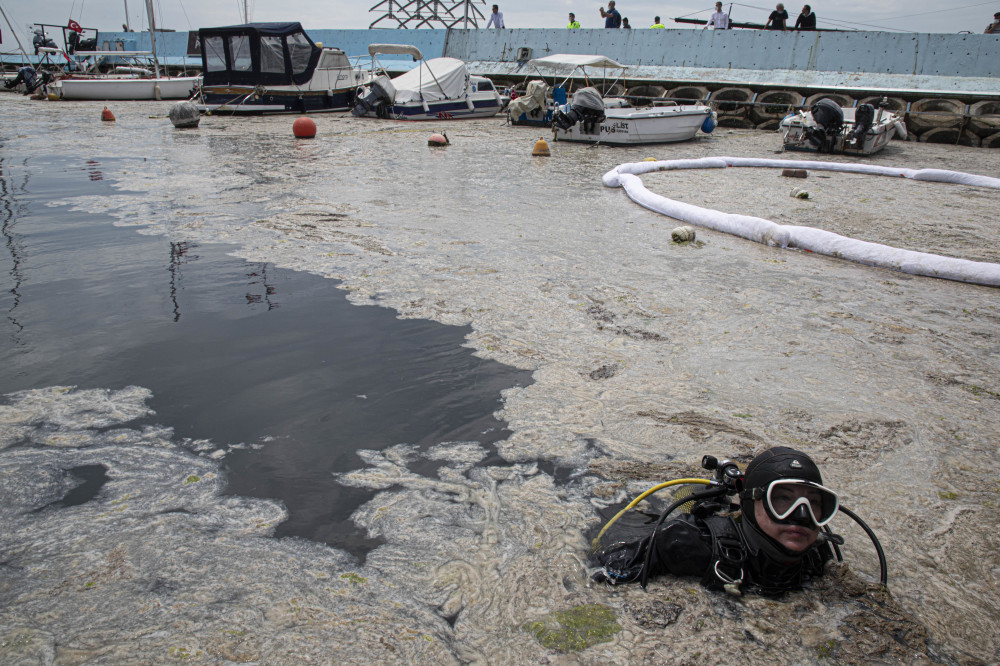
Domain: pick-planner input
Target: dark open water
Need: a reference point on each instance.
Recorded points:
(238, 353)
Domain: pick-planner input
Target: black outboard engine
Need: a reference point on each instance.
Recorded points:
(864, 118)
(587, 108)
(830, 118)
(379, 98)
(40, 40)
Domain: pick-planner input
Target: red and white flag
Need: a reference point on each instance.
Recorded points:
(74, 26)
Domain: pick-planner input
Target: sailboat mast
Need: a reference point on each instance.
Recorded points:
(14, 32)
(152, 36)
(126, 16)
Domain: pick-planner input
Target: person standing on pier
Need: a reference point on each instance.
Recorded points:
(657, 25)
(719, 19)
(612, 19)
(993, 28)
(573, 23)
(496, 18)
(806, 20)
(776, 21)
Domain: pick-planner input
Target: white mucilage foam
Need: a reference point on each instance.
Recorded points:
(819, 241)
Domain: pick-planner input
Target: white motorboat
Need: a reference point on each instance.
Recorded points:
(263, 68)
(437, 89)
(535, 107)
(591, 118)
(829, 128)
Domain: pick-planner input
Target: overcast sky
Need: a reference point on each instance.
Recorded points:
(108, 15)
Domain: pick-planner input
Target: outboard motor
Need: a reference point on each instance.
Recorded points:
(830, 118)
(378, 98)
(40, 40)
(587, 108)
(31, 79)
(864, 118)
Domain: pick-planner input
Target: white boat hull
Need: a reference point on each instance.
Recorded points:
(629, 126)
(795, 133)
(177, 87)
(483, 106)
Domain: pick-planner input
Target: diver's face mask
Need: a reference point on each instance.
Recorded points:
(799, 502)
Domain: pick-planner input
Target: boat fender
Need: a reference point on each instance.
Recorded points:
(709, 124)
(470, 104)
(157, 93)
(900, 129)
(427, 109)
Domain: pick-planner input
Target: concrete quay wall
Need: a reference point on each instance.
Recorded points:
(876, 61)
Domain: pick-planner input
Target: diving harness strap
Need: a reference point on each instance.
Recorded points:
(729, 556)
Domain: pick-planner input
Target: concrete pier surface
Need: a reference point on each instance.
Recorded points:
(646, 355)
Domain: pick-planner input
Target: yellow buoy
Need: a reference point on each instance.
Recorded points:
(541, 148)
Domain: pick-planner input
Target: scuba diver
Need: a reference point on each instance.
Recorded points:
(780, 539)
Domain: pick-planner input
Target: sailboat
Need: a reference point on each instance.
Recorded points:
(140, 80)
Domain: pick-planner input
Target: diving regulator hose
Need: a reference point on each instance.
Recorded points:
(666, 484)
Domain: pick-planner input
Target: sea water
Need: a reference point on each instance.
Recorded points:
(644, 355)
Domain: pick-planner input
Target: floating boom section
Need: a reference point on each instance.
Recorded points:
(819, 241)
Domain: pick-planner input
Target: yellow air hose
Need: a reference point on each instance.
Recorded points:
(666, 484)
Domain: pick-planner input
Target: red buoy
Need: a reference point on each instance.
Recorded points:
(304, 128)
(107, 115)
(437, 140)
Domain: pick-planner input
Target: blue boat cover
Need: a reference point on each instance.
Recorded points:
(267, 54)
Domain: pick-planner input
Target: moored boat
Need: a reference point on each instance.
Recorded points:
(437, 89)
(828, 127)
(133, 82)
(591, 118)
(262, 68)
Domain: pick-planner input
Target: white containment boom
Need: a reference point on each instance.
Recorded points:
(808, 238)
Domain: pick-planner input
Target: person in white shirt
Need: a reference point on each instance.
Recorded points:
(496, 18)
(719, 20)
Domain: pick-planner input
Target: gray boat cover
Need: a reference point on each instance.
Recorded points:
(534, 98)
(588, 98)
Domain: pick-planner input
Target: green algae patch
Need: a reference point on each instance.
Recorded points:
(575, 629)
(352, 577)
(827, 650)
(192, 479)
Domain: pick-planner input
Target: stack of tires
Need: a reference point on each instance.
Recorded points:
(733, 104)
(771, 106)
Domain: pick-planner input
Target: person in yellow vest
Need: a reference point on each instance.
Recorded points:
(573, 23)
(657, 24)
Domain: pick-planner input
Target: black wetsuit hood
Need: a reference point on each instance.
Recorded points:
(780, 462)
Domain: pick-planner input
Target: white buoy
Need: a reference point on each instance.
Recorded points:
(184, 114)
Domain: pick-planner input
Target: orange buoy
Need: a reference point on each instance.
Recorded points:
(438, 140)
(541, 148)
(304, 128)
(107, 115)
